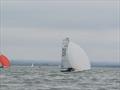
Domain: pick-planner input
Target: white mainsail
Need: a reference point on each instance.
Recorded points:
(73, 56)
(65, 62)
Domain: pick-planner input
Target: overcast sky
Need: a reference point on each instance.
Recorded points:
(34, 29)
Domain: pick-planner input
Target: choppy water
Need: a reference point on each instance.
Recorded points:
(50, 78)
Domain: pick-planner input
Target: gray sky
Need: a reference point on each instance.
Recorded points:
(34, 29)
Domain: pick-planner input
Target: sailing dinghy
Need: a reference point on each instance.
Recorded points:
(74, 57)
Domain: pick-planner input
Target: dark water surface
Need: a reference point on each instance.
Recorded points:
(50, 78)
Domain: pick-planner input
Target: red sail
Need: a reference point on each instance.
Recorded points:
(4, 61)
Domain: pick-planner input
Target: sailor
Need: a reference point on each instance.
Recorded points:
(70, 69)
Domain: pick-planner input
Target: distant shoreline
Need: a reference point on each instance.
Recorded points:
(48, 63)
(114, 66)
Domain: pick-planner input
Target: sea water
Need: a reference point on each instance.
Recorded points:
(50, 78)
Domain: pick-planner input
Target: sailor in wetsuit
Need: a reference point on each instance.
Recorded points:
(68, 70)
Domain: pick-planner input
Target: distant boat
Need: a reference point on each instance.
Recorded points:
(32, 65)
(4, 61)
(74, 57)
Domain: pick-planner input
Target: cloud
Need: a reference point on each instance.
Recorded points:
(45, 43)
(60, 14)
(34, 29)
